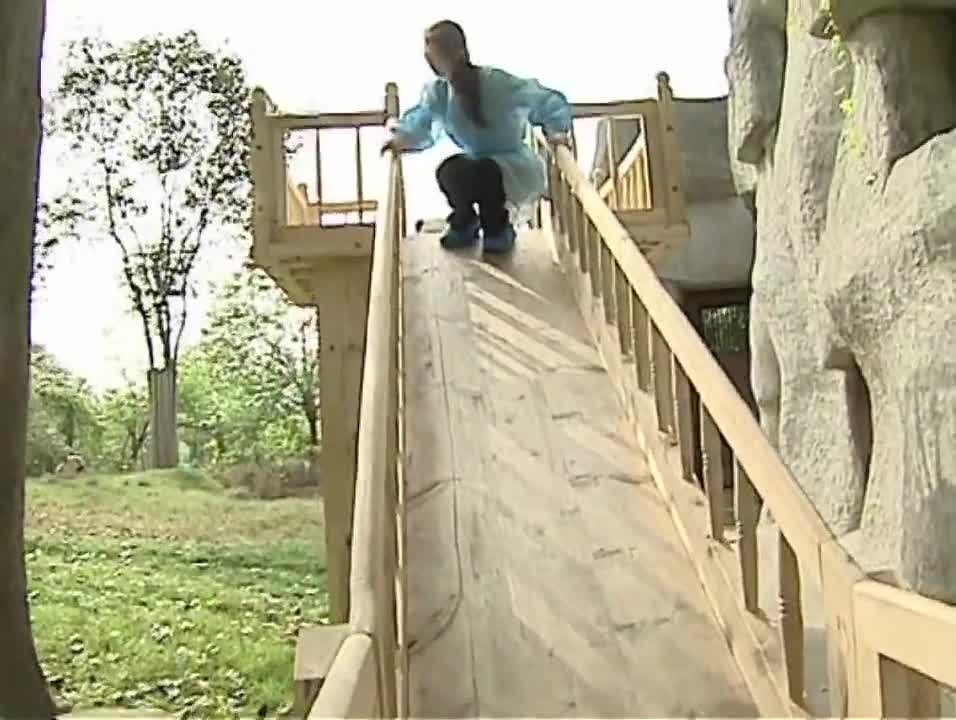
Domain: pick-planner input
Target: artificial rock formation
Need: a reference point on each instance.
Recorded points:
(889, 280)
(786, 123)
(854, 309)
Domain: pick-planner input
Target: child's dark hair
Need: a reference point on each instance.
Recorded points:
(465, 77)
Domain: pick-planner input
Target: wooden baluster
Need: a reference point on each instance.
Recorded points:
(791, 619)
(747, 510)
(614, 201)
(564, 205)
(280, 173)
(359, 185)
(608, 276)
(581, 229)
(556, 195)
(642, 344)
(713, 473)
(661, 382)
(568, 219)
(683, 412)
(318, 175)
(595, 246)
(625, 312)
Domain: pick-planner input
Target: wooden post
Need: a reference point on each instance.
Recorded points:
(661, 383)
(674, 193)
(642, 343)
(791, 620)
(264, 216)
(713, 473)
(342, 288)
(687, 441)
(747, 511)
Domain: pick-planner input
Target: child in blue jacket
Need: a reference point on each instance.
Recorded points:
(485, 111)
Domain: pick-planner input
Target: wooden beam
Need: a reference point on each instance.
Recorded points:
(341, 289)
(312, 242)
(315, 649)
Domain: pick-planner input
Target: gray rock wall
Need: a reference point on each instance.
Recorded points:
(854, 308)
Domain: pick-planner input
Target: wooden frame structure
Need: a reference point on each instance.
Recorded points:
(888, 648)
(645, 188)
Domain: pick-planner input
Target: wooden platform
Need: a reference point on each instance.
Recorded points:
(545, 576)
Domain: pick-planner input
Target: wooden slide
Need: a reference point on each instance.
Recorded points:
(545, 576)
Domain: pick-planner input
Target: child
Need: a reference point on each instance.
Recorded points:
(485, 111)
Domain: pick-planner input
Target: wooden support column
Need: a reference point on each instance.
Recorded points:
(341, 287)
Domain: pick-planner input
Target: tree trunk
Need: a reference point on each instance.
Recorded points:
(164, 442)
(313, 420)
(23, 689)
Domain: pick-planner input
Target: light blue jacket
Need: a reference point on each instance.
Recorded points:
(509, 104)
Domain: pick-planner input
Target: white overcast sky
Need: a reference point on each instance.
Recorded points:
(313, 55)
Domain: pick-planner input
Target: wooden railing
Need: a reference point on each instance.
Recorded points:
(368, 673)
(884, 643)
(646, 182)
(370, 666)
(292, 204)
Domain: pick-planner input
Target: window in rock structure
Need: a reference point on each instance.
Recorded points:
(725, 329)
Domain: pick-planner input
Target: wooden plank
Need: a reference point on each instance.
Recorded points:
(621, 109)
(343, 302)
(330, 121)
(313, 242)
(439, 622)
(916, 631)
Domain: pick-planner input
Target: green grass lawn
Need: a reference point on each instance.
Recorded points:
(159, 590)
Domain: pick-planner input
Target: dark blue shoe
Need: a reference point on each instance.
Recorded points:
(500, 242)
(460, 237)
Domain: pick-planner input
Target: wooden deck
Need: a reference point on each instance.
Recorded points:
(545, 576)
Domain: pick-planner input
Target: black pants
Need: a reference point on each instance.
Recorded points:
(467, 182)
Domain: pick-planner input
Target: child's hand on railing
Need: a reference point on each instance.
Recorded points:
(558, 138)
(394, 143)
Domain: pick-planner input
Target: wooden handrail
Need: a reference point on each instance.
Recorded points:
(331, 121)
(788, 502)
(369, 527)
(350, 690)
(873, 671)
(581, 111)
(362, 678)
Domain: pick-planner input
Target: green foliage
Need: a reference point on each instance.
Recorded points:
(160, 132)
(63, 414)
(158, 590)
(726, 329)
(249, 391)
(124, 424)
(851, 131)
(107, 431)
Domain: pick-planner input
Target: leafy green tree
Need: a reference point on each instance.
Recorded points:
(63, 415)
(162, 126)
(124, 427)
(250, 388)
